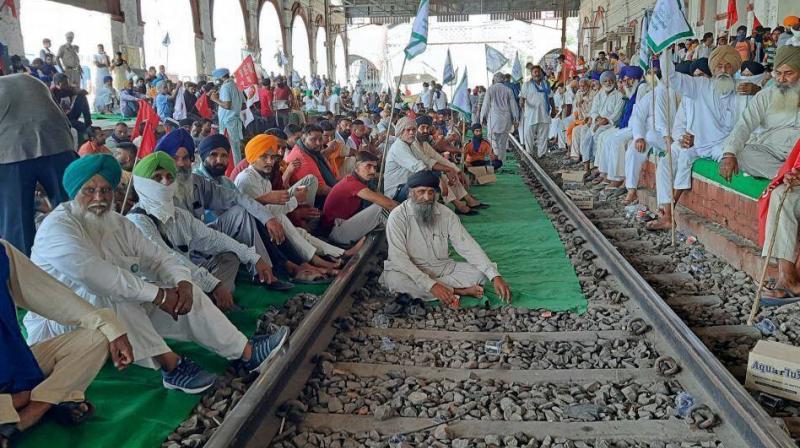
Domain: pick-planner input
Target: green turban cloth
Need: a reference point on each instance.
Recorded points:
(788, 55)
(155, 161)
(80, 171)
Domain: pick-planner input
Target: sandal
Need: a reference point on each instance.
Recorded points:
(66, 412)
(310, 278)
(416, 310)
(469, 213)
(8, 431)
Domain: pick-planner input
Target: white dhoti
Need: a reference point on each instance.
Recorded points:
(578, 137)
(536, 137)
(785, 247)
(455, 275)
(588, 143)
(148, 326)
(347, 231)
(686, 158)
(615, 144)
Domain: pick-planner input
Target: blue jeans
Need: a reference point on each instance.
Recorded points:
(17, 187)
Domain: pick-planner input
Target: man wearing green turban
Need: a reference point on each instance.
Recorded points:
(107, 261)
(774, 112)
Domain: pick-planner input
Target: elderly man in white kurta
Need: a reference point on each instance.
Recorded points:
(419, 232)
(606, 109)
(536, 100)
(102, 256)
(706, 122)
(500, 114)
(647, 131)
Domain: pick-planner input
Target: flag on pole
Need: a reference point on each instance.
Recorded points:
(146, 123)
(645, 54)
(667, 25)
(362, 72)
(282, 61)
(449, 76)
(494, 59)
(733, 15)
(295, 78)
(460, 101)
(166, 41)
(516, 70)
(419, 32)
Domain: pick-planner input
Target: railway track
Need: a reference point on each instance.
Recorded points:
(507, 377)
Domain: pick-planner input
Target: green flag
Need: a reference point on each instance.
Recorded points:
(460, 101)
(419, 32)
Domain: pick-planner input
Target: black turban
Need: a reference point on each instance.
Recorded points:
(702, 65)
(424, 119)
(754, 67)
(424, 178)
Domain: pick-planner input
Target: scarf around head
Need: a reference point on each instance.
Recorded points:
(322, 164)
(155, 198)
(544, 89)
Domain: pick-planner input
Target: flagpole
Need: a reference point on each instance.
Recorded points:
(669, 150)
(389, 126)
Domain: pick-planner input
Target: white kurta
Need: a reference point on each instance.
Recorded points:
(652, 128)
(500, 111)
(608, 105)
(106, 267)
(420, 257)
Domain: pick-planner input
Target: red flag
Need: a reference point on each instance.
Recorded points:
(246, 75)
(568, 68)
(733, 16)
(792, 162)
(146, 124)
(10, 5)
(202, 106)
(756, 23)
(230, 167)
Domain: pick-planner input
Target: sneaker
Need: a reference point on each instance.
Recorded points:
(264, 349)
(188, 377)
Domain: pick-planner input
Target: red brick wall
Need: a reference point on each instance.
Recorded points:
(736, 212)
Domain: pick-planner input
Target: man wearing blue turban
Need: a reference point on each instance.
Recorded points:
(107, 261)
(230, 100)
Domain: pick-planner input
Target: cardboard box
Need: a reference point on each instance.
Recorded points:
(584, 200)
(774, 368)
(572, 176)
(483, 175)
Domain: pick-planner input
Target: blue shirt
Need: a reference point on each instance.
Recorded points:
(163, 108)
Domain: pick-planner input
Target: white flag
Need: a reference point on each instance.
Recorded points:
(667, 25)
(362, 72)
(449, 76)
(460, 101)
(516, 70)
(645, 54)
(295, 78)
(419, 32)
(494, 59)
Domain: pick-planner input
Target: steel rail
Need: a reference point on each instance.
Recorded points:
(734, 404)
(253, 421)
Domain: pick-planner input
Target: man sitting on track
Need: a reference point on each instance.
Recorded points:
(102, 256)
(353, 209)
(50, 377)
(478, 151)
(419, 232)
(211, 256)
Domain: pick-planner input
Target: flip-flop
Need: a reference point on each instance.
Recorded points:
(469, 213)
(64, 412)
(480, 206)
(9, 432)
(770, 301)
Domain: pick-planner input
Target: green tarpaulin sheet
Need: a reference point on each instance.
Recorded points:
(133, 408)
(518, 236)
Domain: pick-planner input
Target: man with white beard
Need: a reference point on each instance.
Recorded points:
(536, 101)
(607, 108)
(709, 121)
(647, 131)
(107, 261)
(610, 145)
(775, 112)
(419, 232)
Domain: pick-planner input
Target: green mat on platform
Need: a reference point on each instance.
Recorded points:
(133, 408)
(518, 236)
(113, 117)
(746, 185)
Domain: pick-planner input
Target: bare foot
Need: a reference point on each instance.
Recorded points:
(473, 291)
(323, 263)
(662, 223)
(631, 198)
(356, 247)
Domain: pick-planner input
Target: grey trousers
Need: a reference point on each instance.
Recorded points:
(224, 266)
(785, 247)
(499, 142)
(241, 226)
(351, 230)
(761, 161)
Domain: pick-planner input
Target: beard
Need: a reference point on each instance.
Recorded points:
(97, 220)
(629, 91)
(723, 84)
(422, 138)
(785, 98)
(424, 212)
(216, 170)
(608, 89)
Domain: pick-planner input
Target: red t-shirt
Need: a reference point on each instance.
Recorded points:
(265, 98)
(342, 202)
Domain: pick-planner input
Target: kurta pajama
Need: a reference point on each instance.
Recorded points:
(536, 116)
(419, 256)
(499, 110)
(608, 105)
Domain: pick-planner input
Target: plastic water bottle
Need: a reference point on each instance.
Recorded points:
(380, 320)
(493, 347)
(683, 402)
(766, 326)
(387, 344)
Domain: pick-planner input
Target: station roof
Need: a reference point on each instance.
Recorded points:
(521, 9)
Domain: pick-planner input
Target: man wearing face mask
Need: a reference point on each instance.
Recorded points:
(419, 232)
(478, 151)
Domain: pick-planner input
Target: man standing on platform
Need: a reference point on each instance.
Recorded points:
(68, 60)
(419, 232)
(230, 102)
